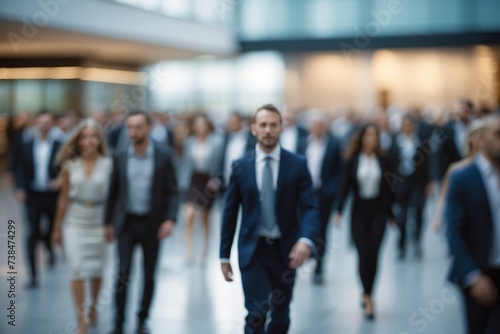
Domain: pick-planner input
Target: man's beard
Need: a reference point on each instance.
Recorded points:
(140, 141)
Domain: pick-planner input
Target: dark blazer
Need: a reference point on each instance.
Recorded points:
(446, 151)
(296, 206)
(469, 223)
(331, 169)
(25, 164)
(350, 182)
(164, 197)
(421, 176)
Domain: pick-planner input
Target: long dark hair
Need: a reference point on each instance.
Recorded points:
(356, 144)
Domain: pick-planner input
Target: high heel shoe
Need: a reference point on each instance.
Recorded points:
(369, 312)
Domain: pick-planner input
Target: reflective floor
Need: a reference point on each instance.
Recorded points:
(411, 296)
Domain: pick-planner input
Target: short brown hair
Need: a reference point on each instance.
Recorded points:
(270, 107)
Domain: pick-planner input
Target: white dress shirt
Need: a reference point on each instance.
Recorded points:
(491, 179)
(460, 137)
(315, 154)
(289, 138)
(234, 150)
(201, 154)
(368, 176)
(408, 146)
(41, 152)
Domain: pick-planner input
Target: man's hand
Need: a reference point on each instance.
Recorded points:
(483, 291)
(55, 184)
(299, 254)
(213, 185)
(166, 228)
(109, 233)
(56, 236)
(20, 196)
(227, 271)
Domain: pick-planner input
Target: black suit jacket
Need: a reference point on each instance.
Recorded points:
(331, 170)
(25, 164)
(350, 182)
(421, 176)
(164, 198)
(446, 151)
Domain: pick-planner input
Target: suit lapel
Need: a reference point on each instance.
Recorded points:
(483, 195)
(123, 164)
(281, 178)
(253, 173)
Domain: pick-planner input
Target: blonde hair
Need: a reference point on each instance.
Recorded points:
(71, 150)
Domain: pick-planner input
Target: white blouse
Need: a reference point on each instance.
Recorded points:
(369, 175)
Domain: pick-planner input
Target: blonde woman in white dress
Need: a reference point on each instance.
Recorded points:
(80, 212)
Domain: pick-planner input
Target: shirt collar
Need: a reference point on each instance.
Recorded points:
(485, 167)
(312, 139)
(274, 154)
(147, 154)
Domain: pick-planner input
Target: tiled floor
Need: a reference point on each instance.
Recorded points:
(411, 297)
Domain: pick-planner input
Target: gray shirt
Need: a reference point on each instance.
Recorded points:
(140, 179)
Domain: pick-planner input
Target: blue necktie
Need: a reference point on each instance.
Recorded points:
(267, 197)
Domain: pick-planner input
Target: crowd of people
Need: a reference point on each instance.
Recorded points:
(124, 175)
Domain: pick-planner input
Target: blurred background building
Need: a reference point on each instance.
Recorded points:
(226, 55)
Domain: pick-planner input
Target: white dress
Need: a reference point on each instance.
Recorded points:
(83, 229)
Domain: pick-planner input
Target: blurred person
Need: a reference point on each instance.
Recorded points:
(101, 117)
(80, 213)
(179, 135)
(279, 222)
(61, 129)
(37, 185)
(203, 154)
(324, 160)
(238, 140)
(451, 139)
(22, 132)
(160, 130)
(411, 158)
(141, 210)
(382, 121)
(292, 133)
(471, 149)
(472, 216)
(364, 174)
(117, 136)
(344, 126)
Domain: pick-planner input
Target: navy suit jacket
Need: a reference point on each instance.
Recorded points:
(446, 151)
(296, 206)
(331, 170)
(469, 223)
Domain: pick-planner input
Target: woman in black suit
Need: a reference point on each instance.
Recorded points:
(368, 173)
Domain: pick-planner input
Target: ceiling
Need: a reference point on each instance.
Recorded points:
(53, 43)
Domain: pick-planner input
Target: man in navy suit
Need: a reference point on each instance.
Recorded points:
(324, 159)
(279, 222)
(473, 220)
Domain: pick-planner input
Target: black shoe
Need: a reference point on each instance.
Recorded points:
(143, 328)
(117, 330)
(370, 316)
(318, 278)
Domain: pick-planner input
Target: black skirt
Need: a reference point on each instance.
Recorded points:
(198, 193)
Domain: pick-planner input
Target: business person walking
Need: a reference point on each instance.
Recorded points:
(141, 209)
(473, 229)
(280, 220)
(324, 160)
(368, 173)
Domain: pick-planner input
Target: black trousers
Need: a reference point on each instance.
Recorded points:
(136, 231)
(38, 205)
(267, 285)
(410, 195)
(368, 223)
(483, 320)
(321, 242)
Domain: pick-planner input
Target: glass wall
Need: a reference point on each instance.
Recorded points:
(344, 18)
